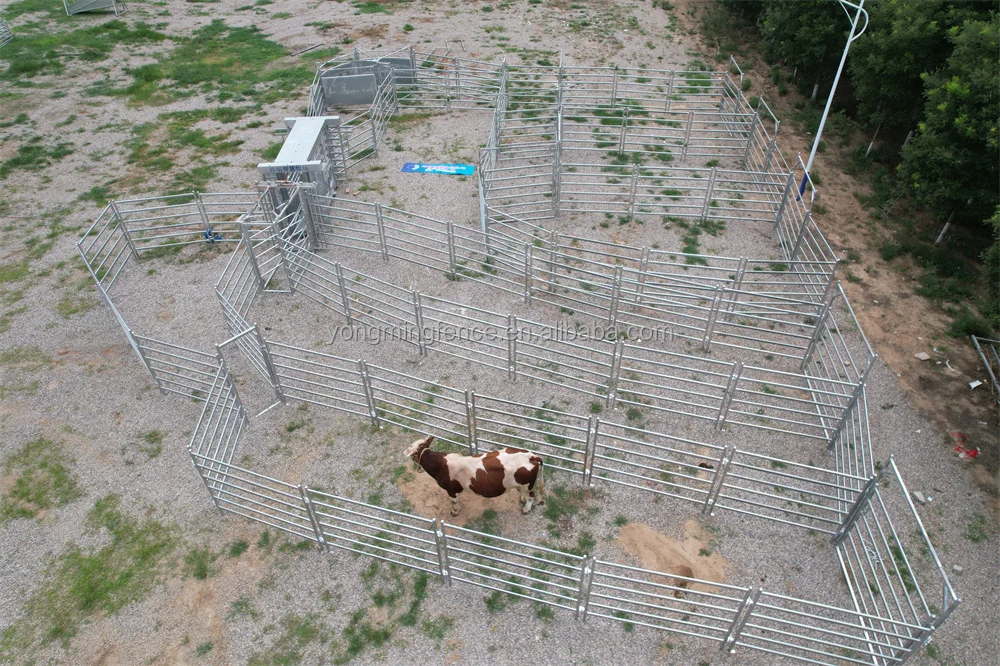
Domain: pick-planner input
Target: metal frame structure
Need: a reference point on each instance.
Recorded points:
(865, 508)
(989, 354)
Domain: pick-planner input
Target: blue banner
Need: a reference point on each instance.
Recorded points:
(446, 169)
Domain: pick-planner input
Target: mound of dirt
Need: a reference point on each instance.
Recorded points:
(430, 501)
(690, 557)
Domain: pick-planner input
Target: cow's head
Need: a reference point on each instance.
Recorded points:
(416, 448)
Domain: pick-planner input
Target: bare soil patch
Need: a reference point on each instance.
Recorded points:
(690, 556)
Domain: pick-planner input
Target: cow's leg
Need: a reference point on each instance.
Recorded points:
(454, 504)
(539, 489)
(525, 498)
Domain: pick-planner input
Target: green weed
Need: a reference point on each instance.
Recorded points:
(79, 584)
(42, 480)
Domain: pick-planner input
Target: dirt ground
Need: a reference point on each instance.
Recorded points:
(227, 591)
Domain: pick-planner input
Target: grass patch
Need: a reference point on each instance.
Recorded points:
(297, 632)
(198, 563)
(34, 155)
(29, 359)
(42, 480)
(976, 530)
(79, 585)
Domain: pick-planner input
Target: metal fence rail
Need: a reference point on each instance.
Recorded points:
(990, 356)
(733, 616)
(176, 369)
(321, 379)
(106, 248)
(221, 422)
(182, 219)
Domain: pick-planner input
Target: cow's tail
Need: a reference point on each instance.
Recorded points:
(540, 483)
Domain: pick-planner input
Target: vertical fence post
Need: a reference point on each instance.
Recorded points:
(770, 154)
(743, 614)
(418, 320)
(245, 238)
(670, 92)
(550, 264)
(593, 426)
(727, 396)
(633, 186)
(380, 225)
(203, 214)
(737, 286)
(366, 384)
(450, 232)
(641, 277)
(201, 473)
(512, 347)
(145, 361)
(708, 193)
(441, 542)
(470, 422)
(265, 352)
(713, 314)
(800, 238)
(304, 493)
(861, 502)
(722, 468)
(623, 133)
(789, 185)
(124, 228)
(615, 373)
(750, 137)
(687, 135)
(614, 88)
(484, 227)
(583, 589)
(616, 292)
(818, 326)
(345, 299)
(527, 273)
(306, 203)
(556, 177)
(851, 404)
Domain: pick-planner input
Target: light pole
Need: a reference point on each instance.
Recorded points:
(844, 4)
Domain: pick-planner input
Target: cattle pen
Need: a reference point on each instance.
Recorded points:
(766, 361)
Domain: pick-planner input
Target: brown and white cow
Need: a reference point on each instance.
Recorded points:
(487, 474)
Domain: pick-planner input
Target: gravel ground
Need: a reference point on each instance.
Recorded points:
(91, 395)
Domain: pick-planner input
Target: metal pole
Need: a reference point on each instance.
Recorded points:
(623, 133)
(616, 290)
(583, 591)
(366, 384)
(512, 347)
(245, 237)
(527, 273)
(687, 135)
(633, 186)
(121, 223)
(272, 372)
(743, 614)
(641, 277)
(855, 396)
(725, 460)
(380, 225)
(418, 317)
(861, 502)
(452, 268)
(556, 177)
(713, 312)
(204, 217)
(708, 193)
(727, 396)
(308, 218)
(614, 375)
(441, 542)
(593, 425)
(344, 298)
(614, 88)
(470, 422)
(483, 222)
(312, 518)
(836, 79)
(750, 136)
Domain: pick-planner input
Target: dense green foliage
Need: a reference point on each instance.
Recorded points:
(930, 67)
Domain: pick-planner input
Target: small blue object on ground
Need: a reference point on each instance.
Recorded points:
(446, 169)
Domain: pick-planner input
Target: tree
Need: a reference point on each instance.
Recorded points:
(805, 34)
(904, 40)
(952, 163)
(991, 267)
